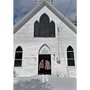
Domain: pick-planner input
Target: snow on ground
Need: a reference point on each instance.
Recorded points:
(44, 82)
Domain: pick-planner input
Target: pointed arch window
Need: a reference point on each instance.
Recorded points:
(70, 56)
(18, 57)
(44, 28)
(44, 49)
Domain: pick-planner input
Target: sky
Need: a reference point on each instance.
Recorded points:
(22, 7)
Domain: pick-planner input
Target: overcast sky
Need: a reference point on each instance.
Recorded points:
(22, 7)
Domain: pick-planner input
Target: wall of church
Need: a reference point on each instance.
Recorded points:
(24, 37)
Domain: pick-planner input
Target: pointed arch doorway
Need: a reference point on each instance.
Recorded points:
(44, 60)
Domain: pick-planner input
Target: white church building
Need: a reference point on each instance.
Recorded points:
(44, 34)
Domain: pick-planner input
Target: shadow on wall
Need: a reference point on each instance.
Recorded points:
(33, 84)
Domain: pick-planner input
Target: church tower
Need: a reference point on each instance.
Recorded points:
(50, 1)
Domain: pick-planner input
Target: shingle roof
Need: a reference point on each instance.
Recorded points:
(38, 8)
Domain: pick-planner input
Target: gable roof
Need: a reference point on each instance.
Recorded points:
(27, 17)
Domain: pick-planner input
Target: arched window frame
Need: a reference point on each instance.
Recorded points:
(18, 56)
(44, 28)
(44, 45)
(70, 56)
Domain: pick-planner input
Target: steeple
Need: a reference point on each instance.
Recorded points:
(50, 1)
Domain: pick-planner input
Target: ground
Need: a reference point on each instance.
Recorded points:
(44, 82)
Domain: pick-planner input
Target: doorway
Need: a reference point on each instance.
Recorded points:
(44, 64)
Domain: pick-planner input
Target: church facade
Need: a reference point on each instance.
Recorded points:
(43, 39)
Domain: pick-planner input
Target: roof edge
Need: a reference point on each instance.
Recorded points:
(61, 16)
(28, 16)
(19, 24)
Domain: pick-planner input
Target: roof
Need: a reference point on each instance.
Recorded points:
(27, 17)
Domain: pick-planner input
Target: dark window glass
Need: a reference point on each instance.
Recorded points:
(19, 49)
(52, 29)
(36, 29)
(18, 63)
(44, 28)
(18, 57)
(71, 63)
(70, 56)
(44, 18)
(69, 48)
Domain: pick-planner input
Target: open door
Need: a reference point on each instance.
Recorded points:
(44, 64)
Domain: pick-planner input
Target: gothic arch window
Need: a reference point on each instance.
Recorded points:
(36, 27)
(44, 18)
(44, 49)
(52, 29)
(70, 56)
(44, 28)
(18, 57)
